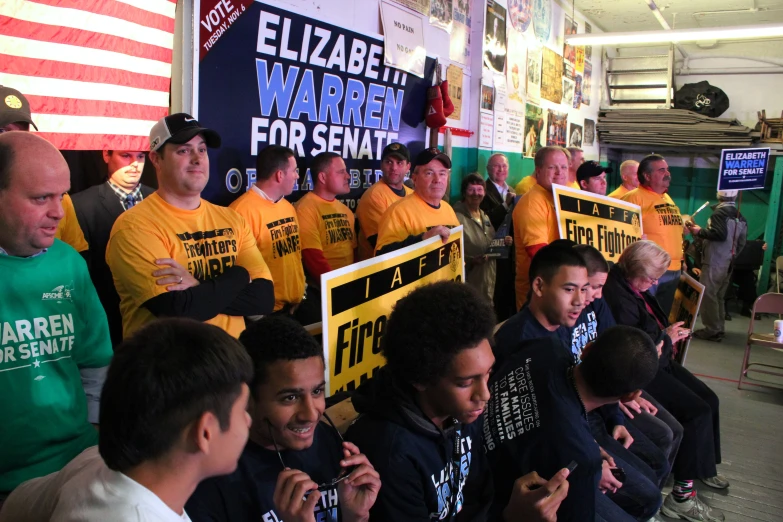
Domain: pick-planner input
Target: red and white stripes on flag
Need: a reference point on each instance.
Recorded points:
(97, 73)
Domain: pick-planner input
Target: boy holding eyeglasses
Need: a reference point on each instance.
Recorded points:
(294, 468)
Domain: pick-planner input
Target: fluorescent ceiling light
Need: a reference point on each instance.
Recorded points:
(678, 35)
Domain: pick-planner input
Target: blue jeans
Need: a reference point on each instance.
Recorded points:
(608, 511)
(665, 289)
(640, 495)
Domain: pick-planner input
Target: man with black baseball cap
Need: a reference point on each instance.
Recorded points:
(14, 111)
(175, 254)
(395, 163)
(591, 177)
(423, 214)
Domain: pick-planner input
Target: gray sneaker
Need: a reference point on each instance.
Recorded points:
(717, 482)
(693, 510)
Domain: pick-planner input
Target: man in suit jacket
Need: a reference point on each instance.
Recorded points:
(499, 195)
(96, 209)
(497, 203)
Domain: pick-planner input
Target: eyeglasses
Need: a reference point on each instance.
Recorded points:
(344, 473)
(652, 280)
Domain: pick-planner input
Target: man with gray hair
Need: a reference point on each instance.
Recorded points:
(662, 222)
(576, 158)
(723, 238)
(500, 196)
(628, 170)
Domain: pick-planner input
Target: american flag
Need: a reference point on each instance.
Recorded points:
(97, 73)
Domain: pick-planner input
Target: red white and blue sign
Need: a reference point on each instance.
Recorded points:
(743, 169)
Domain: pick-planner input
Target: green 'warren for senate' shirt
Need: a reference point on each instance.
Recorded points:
(51, 325)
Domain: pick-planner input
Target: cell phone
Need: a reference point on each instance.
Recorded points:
(572, 466)
(618, 473)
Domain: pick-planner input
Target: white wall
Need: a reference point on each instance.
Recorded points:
(748, 92)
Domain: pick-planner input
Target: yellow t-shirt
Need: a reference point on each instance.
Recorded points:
(205, 241)
(412, 216)
(327, 226)
(276, 229)
(68, 229)
(371, 207)
(661, 221)
(524, 186)
(619, 192)
(535, 222)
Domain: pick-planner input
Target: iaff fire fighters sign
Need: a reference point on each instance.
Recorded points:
(602, 222)
(358, 299)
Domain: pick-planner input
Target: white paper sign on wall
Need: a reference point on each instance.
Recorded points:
(403, 39)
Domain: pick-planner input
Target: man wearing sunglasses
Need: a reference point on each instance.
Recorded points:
(294, 467)
(420, 415)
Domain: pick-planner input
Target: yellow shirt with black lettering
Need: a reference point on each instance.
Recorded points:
(412, 216)
(327, 226)
(661, 221)
(68, 230)
(619, 192)
(524, 186)
(535, 223)
(206, 241)
(371, 207)
(276, 229)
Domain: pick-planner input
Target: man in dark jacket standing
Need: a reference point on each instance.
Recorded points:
(97, 208)
(724, 237)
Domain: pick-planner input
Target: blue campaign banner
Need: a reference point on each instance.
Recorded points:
(277, 77)
(743, 169)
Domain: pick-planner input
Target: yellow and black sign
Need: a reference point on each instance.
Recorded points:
(358, 299)
(685, 308)
(605, 223)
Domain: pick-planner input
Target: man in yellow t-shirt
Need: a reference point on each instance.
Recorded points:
(576, 157)
(535, 221)
(175, 254)
(395, 163)
(69, 231)
(327, 229)
(423, 214)
(661, 221)
(628, 173)
(527, 183)
(272, 219)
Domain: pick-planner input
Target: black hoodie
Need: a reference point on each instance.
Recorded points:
(415, 458)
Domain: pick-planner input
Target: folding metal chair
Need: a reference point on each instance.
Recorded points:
(770, 303)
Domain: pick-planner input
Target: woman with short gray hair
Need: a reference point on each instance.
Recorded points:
(687, 398)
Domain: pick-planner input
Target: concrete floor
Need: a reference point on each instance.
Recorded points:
(751, 425)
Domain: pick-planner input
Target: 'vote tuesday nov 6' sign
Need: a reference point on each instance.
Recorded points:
(743, 169)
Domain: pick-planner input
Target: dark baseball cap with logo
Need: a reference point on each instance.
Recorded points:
(14, 107)
(590, 169)
(430, 154)
(396, 149)
(180, 128)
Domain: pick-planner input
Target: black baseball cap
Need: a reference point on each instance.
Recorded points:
(14, 107)
(590, 169)
(430, 154)
(396, 149)
(180, 128)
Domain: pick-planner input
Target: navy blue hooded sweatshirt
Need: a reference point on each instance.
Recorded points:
(535, 422)
(246, 494)
(427, 474)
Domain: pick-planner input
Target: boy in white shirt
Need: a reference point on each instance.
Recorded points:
(173, 412)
